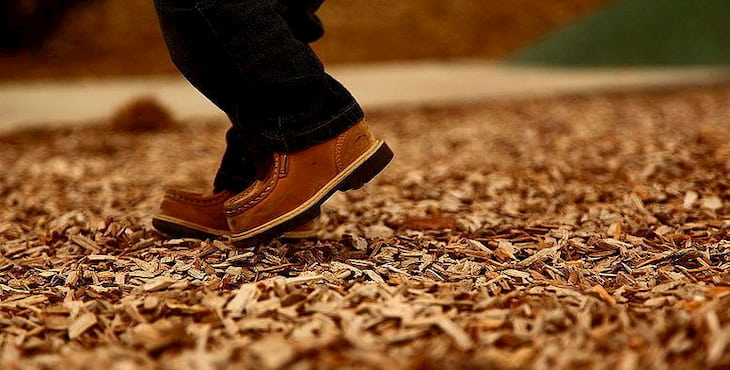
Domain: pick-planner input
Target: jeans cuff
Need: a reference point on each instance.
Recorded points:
(314, 134)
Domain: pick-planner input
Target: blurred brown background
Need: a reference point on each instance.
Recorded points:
(114, 37)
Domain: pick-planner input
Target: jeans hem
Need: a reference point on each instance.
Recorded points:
(316, 133)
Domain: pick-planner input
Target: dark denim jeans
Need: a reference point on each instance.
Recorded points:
(252, 60)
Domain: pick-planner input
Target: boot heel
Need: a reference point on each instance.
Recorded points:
(369, 169)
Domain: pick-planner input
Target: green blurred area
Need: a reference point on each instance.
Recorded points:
(640, 33)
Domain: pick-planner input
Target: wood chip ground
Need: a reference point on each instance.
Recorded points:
(574, 232)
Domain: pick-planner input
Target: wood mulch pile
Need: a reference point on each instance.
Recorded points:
(566, 232)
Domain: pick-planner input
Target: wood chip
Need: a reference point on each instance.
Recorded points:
(586, 230)
(81, 325)
(158, 284)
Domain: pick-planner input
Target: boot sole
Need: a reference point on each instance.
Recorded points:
(359, 173)
(183, 229)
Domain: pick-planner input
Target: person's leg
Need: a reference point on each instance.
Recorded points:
(285, 93)
(206, 64)
(209, 68)
(301, 18)
(199, 56)
(282, 96)
(242, 153)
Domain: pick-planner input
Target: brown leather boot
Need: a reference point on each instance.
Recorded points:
(194, 215)
(298, 183)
